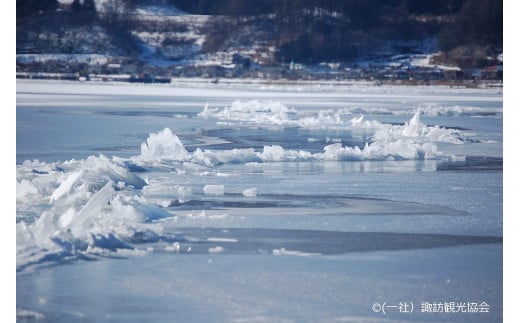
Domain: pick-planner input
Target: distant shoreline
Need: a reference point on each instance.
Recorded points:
(116, 78)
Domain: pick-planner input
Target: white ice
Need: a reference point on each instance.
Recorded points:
(188, 177)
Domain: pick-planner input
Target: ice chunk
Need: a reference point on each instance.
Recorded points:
(24, 188)
(273, 153)
(163, 145)
(175, 247)
(66, 185)
(108, 169)
(250, 192)
(67, 217)
(217, 249)
(255, 111)
(233, 156)
(414, 128)
(42, 229)
(92, 209)
(95, 205)
(413, 140)
(418, 132)
(206, 113)
(457, 110)
(211, 239)
(285, 252)
(28, 315)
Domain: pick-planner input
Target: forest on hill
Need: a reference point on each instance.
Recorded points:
(466, 31)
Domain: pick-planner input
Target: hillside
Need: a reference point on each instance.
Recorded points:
(295, 38)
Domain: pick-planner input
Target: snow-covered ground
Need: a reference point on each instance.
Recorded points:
(258, 203)
(168, 36)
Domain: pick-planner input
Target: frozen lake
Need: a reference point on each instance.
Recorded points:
(258, 203)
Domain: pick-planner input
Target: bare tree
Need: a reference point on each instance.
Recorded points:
(117, 18)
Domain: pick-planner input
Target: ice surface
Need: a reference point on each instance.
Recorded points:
(266, 288)
(104, 202)
(217, 190)
(413, 140)
(98, 204)
(255, 203)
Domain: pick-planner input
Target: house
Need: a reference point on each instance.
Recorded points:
(494, 72)
(453, 74)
